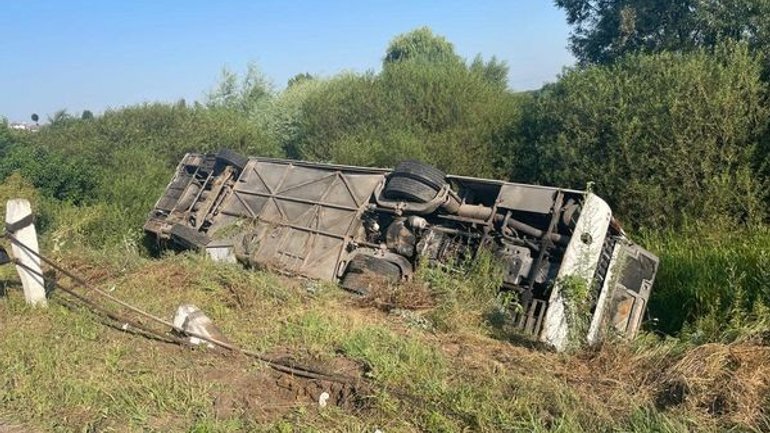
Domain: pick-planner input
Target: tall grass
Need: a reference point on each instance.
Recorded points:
(713, 284)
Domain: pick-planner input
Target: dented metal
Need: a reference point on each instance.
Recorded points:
(335, 222)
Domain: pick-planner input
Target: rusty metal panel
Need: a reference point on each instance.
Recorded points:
(300, 218)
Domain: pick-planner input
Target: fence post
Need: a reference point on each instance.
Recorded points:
(19, 221)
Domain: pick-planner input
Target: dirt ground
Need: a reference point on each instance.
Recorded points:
(267, 395)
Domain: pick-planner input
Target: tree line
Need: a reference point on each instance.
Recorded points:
(666, 135)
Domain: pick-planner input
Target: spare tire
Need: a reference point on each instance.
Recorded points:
(422, 172)
(406, 188)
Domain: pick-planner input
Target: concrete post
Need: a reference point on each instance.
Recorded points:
(18, 220)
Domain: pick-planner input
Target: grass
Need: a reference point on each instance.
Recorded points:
(63, 370)
(712, 284)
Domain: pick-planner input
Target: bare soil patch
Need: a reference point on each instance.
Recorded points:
(266, 395)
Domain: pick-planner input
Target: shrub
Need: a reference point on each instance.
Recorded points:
(115, 166)
(664, 136)
(442, 113)
(15, 186)
(64, 177)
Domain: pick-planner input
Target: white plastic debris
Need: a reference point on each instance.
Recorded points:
(191, 320)
(323, 399)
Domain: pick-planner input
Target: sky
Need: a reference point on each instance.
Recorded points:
(95, 55)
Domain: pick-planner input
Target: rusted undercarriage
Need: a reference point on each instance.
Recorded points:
(336, 223)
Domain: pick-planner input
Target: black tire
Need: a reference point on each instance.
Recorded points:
(228, 157)
(355, 282)
(424, 173)
(188, 237)
(362, 270)
(406, 188)
(376, 265)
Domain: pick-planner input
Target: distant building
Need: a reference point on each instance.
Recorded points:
(23, 126)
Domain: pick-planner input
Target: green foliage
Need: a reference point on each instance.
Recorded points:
(443, 114)
(60, 117)
(605, 31)
(495, 71)
(57, 175)
(6, 137)
(299, 78)
(421, 45)
(664, 137)
(740, 20)
(712, 282)
(244, 94)
(280, 117)
(118, 164)
(467, 293)
(577, 306)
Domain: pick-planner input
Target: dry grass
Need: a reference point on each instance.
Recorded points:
(730, 382)
(61, 370)
(411, 295)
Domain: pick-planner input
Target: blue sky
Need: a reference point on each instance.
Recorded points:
(98, 54)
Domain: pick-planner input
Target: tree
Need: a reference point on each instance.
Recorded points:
(664, 137)
(60, 117)
(238, 93)
(495, 71)
(35, 117)
(605, 30)
(742, 20)
(420, 45)
(443, 114)
(87, 115)
(299, 78)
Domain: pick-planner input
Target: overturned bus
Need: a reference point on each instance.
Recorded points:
(340, 223)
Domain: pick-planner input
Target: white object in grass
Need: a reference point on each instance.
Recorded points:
(18, 220)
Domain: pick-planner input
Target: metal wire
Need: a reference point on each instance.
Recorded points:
(282, 366)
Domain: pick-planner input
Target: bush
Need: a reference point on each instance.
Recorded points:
(665, 137)
(15, 186)
(130, 144)
(64, 177)
(115, 166)
(444, 114)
